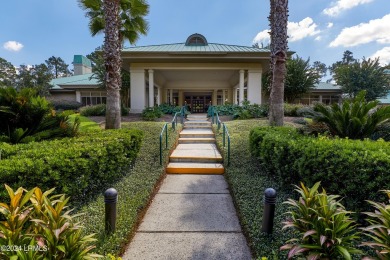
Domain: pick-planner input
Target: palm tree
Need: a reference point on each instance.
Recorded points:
(120, 20)
(278, 20)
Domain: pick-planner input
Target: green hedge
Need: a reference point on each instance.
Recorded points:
(355, 169)
(75, 166)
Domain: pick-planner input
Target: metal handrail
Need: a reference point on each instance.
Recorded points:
(182, 114)
(165, 127)
(226, 135)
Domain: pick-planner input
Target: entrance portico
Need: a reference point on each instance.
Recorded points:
(197, 75)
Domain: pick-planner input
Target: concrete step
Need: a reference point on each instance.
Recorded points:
(196, 140)
(196, 127)
(196, 133)
(195, 168)
(195, 155)
(197, 122)
(197, 146)
(197, 117)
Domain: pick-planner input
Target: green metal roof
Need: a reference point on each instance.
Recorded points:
(182, 48)
(79, 80)
(385, 100)
(80, 59)
(326, 86)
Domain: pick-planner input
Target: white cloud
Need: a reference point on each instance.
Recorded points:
(330, 25)
(262, 37)
(13, 46)
(318, 38)
(342, 5)
(375, 30)
(302, 29)
(296, 31)
(383, 54)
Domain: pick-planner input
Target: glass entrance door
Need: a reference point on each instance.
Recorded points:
(198, 105)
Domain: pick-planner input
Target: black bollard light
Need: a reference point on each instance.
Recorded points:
(269, 210)
(110, 199)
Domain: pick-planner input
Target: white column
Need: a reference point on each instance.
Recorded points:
(242, 79)
(171, 96)
(78, 96)
(159, 96)
(137, 88)
(254, 86)
(151, 88)
(235, 96)
(214, 97)
(223, 96)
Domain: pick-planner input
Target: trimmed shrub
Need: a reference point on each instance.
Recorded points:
(354, 169)
(100, 110)
(96, 110)
(151, 113)
(65, 104)
(292, 109)
(382, 131)
(75, 166)
(169, 109)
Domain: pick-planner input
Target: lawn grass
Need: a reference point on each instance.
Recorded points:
(86, 124)
(135, 190)
(247, 181)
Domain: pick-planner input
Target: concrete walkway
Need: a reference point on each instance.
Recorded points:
(191, 217)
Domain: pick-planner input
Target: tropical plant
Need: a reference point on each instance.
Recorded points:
(278, 21)
(37, 227)
(355, 119)
(324, 228)
(121, 20)
(27, 117)
(379, 229)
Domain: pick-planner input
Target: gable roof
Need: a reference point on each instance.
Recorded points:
(79, 80)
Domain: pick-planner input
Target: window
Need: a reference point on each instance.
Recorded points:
(196, 40)
(93, 98)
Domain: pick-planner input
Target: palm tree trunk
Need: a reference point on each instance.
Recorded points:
(112, 61)
(278, 19)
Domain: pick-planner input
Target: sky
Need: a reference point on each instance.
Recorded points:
(31, 31)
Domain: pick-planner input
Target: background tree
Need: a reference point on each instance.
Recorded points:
(7, 73)
(37, 77)
(278, 19)
(346, 60)
(127, 24)
(58, 67)
(365, 75)
(301, 78)
(320, 68)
